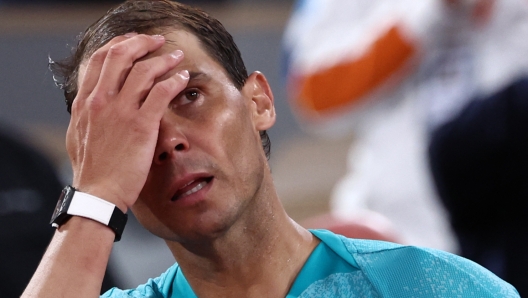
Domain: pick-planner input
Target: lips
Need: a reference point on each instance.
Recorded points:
(191, 186)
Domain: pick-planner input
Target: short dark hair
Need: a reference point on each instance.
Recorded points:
(153, 17)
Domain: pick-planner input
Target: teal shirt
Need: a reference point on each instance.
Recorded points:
(344, 267)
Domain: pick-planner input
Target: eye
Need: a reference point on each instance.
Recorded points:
(191, 95)
(186, 97)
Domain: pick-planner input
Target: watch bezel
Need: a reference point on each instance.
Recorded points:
(60, 214)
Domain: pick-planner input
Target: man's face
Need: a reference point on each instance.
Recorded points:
(209, 163)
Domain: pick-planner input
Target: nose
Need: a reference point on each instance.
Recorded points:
(171, 141)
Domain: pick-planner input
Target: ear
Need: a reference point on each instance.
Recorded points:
(262, 105)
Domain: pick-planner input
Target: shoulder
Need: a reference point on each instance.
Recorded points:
(158, 287)
(411, 270)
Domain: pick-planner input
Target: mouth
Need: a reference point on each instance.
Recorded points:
(191, 187)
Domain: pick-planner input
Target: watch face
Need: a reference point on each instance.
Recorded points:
(60, 213)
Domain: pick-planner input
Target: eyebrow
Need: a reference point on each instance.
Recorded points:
(193, 77)
(198, 76)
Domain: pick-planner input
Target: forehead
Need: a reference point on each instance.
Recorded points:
(196, 59)
(182, 40)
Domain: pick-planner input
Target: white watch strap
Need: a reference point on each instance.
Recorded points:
(92, 207)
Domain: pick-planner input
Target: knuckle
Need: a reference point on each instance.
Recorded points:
(76, 102)
(96, 102)
(75, 107)
(98, 57)
(143, 37)
(142, 68)
(114, 41)
(117, 50)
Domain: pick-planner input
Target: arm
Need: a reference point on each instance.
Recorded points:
(74, 262)
(110, 141)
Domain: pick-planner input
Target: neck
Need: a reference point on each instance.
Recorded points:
(262, 252)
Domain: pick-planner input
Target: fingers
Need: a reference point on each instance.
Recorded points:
(117, 73)
(122, 56)
(108, 67)
(90, 71)
(144, 73)
(163, 93)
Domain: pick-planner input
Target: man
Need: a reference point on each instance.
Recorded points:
(166, 122)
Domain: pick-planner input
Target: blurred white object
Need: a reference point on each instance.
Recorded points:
(388, 72)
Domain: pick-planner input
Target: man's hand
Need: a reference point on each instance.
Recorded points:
(111, 142)
(116, 115)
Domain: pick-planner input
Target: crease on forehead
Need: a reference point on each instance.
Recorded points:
(172, 36)
(171, 41)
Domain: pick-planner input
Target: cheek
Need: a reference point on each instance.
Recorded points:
(145, 208)
(235, 129)
(243, 146)
(148, 220)
(143, 214)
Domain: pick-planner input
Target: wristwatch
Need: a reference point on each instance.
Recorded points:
(73, 202)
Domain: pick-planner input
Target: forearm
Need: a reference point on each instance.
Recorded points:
(75, 261)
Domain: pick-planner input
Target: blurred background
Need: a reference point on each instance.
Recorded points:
(396, 121)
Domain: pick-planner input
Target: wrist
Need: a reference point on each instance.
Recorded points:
(76, 203)
(103, 192)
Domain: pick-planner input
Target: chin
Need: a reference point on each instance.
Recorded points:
(188, 232)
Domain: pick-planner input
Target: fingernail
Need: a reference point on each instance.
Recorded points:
(158, 37)
(184, 74)
(130, 34)
(176, 54)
